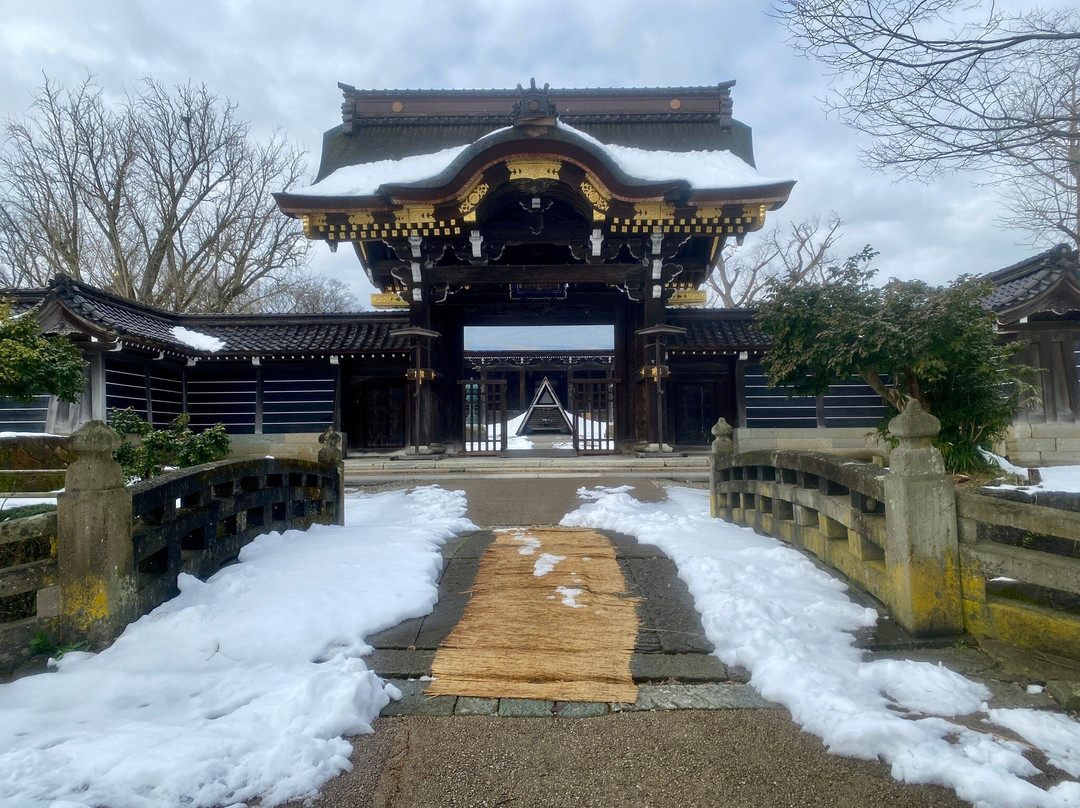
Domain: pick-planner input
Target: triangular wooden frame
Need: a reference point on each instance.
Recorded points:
(545, 402)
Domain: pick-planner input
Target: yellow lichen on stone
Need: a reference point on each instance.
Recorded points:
(86, 602)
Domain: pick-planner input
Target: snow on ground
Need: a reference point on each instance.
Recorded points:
(242, 685)
(1054, 478)
(18, 502)
(768, 608)
(589, 429)
(513, 440)
(197, 339)
(1060, 478)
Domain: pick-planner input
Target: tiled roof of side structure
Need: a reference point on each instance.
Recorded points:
(717, 329)
(320, 334)
(1024, 283)
(246, 335)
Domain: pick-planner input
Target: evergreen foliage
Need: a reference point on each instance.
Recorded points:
(176, 445)
(32, 364)
(906, 340)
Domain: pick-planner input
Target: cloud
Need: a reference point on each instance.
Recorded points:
(282, 65)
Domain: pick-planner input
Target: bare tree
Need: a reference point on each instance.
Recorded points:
(302, 293)
(164, 197)
(951, 84)
(799, 250)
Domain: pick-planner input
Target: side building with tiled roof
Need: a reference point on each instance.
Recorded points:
(1037, 302)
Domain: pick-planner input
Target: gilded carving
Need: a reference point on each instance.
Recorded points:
(361, 219)
(534, 169)
(592, 193)
(472, 197)
(653, 210)
(688, 297)
(709, 212)
(388, 300)
(414, 216)
(312, 222)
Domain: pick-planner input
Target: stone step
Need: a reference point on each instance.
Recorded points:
(712, 696)
(408, 664)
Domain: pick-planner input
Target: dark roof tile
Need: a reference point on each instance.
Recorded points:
(717, 329)
(247, 335)
(1023, 283)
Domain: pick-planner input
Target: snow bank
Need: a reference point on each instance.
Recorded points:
(768, 608)
(197, 339)
(242, 686)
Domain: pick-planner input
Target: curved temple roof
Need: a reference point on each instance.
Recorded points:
(631, 166)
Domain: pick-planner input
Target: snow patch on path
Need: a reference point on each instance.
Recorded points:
(569, 595)
(545, 564)
(242, 686)
(766, 607)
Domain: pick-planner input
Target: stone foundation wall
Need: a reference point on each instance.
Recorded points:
(297, 445)
(1034, 445)
(33, 452)
(857, 441)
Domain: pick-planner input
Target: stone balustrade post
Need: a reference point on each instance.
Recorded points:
(722, 447)
(330, 454)
(95, 554)
(921, 553)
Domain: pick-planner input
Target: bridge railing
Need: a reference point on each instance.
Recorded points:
(942, 561)
(1020, 570)
(119, 549)
(196, 519)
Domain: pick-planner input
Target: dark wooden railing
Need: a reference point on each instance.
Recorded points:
(197, 519)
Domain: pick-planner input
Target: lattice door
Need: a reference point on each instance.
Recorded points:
(594, 415)
(483, 408)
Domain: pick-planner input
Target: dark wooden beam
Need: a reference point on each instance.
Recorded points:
(570, 273)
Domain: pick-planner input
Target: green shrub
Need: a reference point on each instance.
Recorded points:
(176, 445)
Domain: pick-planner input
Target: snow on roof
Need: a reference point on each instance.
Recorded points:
(702, 169)
(197, 339)
(364, 179)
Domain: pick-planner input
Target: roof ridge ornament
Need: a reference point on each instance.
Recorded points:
(535, 107)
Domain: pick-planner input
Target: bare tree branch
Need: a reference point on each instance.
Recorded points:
(164, 198)
(955, 84)
(800, 250)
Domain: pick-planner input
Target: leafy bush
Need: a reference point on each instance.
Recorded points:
(906, 340)
(176, 445)
(32, 364)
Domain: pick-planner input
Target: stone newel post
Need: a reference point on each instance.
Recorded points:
(330, 454)
(921, 553)
(722, 447)
(94, 548)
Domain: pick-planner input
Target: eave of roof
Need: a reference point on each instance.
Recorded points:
(107, 316)
(371, 185)
(1047, 282)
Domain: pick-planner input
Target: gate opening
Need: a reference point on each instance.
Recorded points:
(516, 380)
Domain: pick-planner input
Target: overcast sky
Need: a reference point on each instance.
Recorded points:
(281, 63)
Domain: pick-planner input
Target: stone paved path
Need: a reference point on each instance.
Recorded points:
(698, 735)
